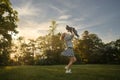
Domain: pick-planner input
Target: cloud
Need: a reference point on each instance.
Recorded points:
(61, 11)
(65, 17)
(79, 19)
(35, 16)
(62, 22)
(28, 25)
(69, 4)
(33, 29)
(27, 9)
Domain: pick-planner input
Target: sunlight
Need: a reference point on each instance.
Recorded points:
(8, 67)
(12, 56)
(28, 31)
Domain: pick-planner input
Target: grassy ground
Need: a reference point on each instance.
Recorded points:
(56, 72)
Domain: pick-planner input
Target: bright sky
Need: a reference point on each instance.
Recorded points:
(101, 17)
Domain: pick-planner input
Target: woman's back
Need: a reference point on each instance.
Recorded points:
(68, 39)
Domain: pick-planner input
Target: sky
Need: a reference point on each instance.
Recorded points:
(101, 17)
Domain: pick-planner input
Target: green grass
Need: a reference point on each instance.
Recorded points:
(56, 72)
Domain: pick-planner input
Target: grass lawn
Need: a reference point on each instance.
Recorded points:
(57, 72)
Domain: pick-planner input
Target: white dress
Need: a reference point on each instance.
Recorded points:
(69, 45)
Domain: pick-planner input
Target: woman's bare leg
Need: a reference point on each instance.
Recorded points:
(71, 61)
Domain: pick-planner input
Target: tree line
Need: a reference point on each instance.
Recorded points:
(46, 50)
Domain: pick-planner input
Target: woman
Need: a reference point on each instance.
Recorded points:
(68, 37)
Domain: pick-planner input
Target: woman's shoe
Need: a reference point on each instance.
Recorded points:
(68, 71)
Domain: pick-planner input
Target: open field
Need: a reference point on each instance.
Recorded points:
(57, 72)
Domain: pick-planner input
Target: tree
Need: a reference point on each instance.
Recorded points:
(51, 46)
(8, 19)
(117, 44)
(50, 55)
(89, 47)
(52, 28)
(112, 52)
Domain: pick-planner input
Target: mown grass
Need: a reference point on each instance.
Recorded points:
(57, 72)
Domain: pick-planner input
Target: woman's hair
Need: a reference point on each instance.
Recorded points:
(62, 36)
(70, 29)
